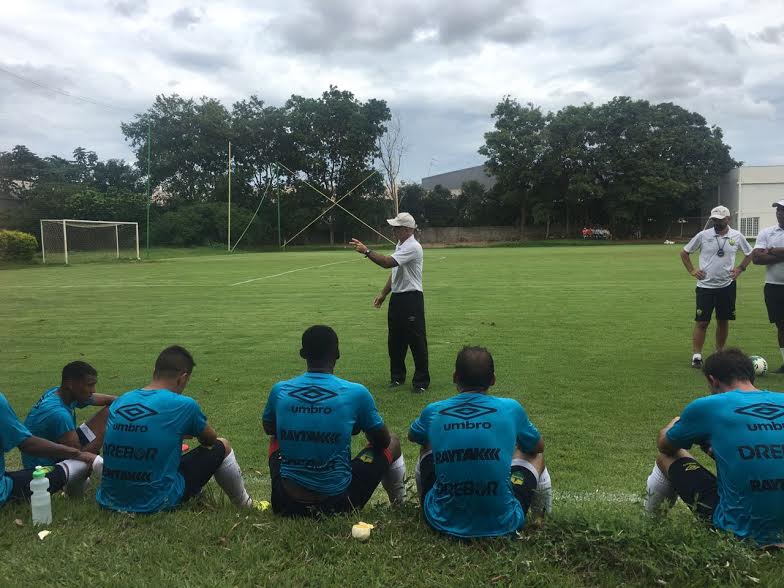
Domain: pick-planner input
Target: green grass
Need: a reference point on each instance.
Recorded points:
(594, 341)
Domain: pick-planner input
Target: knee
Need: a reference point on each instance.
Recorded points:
(663, 462)
(701, 325)
(394, 446)
(226, 444)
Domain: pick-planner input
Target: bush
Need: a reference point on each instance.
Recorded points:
(17, 246)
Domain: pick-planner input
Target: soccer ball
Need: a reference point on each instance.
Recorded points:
(760, 365)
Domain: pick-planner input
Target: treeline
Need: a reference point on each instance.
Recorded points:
(626, 165)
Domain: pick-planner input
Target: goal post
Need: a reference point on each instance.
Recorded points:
(76, 240)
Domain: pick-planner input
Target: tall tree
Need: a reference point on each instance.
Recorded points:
(188, 148)
(334, 141)
(515, 149)
(391, 147)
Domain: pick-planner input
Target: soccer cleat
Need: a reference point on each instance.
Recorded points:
(780, 370)
(394, 384)
(696, 362)
(418, 389)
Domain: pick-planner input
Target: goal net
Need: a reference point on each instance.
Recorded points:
(74, 241)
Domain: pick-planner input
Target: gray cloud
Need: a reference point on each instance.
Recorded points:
(197, 60)
(345, 25)
(774, 35)
(129, 8)
(184, 17)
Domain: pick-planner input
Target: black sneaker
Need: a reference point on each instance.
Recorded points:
(696, 363)
(394, 384)
(418, 389)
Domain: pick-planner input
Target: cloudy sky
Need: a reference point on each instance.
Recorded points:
(441, 65)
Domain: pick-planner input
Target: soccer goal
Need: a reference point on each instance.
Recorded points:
(71, 240)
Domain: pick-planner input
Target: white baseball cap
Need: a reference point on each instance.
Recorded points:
(403, 220)
(720, 212)
(778, 202)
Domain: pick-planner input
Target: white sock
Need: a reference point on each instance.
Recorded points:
(394, 481)
(75, 476)
(229, 478)
(696, 356)
(658, 490)
(543, 496)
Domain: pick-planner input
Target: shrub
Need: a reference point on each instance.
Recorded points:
(17, 246)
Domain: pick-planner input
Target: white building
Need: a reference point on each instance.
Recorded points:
(749, 192)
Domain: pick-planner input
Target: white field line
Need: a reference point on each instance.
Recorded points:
(300, 269)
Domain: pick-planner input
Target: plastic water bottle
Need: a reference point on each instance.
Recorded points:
(41, 500)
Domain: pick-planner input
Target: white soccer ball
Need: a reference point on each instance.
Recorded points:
(760, 365)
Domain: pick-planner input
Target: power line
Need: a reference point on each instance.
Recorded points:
(85, 99)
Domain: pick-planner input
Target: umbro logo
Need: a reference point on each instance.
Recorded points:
(762, 410)
(467, 411)
(313, 395)
(135, 412)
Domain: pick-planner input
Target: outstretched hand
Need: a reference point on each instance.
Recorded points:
(359, 246)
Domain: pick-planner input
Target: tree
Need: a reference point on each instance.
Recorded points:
(391, 147)
(188, 148)
(514, 151)
(334, 141)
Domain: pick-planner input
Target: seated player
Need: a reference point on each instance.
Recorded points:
(740, 427)
(69, 473)
(144, 470)
(53, 416)
(311, 419)
(481, 465)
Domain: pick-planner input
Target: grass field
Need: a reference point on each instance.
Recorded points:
(594, 341)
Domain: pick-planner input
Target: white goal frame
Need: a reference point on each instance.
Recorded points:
(65, 221)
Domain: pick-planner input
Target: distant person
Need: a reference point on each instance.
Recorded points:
(311, 419)
(716, 278)
(71, 469)
(481, 467)
(740, 427)
(406, 315)
(53, 416)
(144, 470)
(769, 251)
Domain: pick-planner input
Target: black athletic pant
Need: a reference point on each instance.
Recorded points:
(406, 320)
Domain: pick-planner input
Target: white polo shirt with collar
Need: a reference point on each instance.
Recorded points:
(717, 255)
(767, 238)
(407, 276)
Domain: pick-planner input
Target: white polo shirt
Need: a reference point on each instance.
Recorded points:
(407, 276)
(717, 267)
(767, 238)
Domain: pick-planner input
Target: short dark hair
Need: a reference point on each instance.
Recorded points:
(77, 370)
(320, 343)
(474, 368)
(173, 361)
(729, 365)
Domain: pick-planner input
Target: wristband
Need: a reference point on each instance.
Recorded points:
(368, 252)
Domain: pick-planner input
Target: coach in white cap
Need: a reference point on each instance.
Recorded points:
(406, 315)
(716, 277)
(769, 251)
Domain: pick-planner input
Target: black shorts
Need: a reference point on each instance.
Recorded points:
(198, 466)
(523, 481)
(21, 482)
(722, 299)
(696, 486)
(367, 469)
(774, 302)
